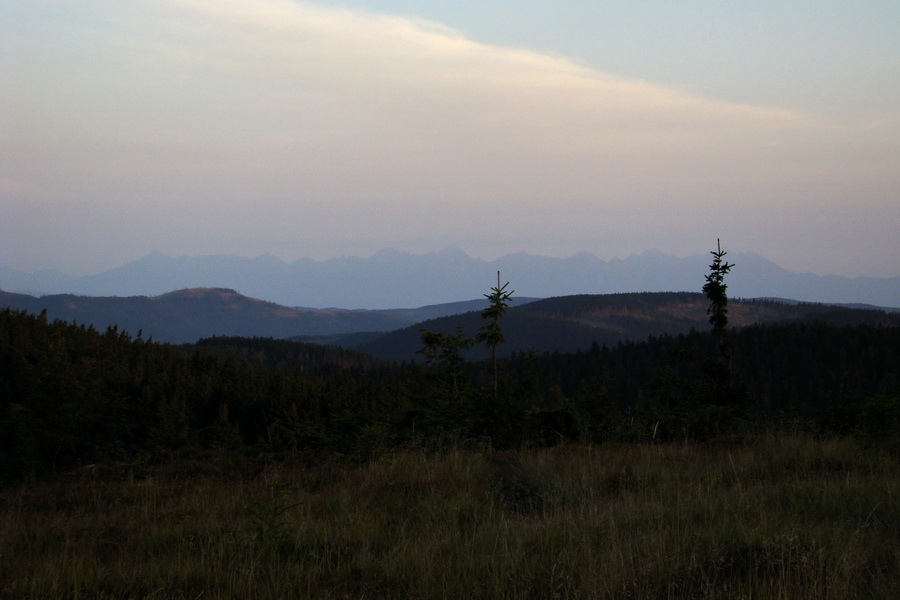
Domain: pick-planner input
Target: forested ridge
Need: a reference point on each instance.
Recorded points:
(72, 395)
(187, 315)
(571, 323)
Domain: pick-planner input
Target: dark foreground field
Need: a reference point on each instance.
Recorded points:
(772, 517)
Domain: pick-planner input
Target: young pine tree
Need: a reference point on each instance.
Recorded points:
(720, 373)
(491, 334)
(715, 291)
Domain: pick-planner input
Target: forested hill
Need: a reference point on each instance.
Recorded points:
(565, 323)
(184, 316)
(187, 315)
(570, 323)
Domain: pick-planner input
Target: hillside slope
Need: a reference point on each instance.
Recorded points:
(570, 323)
(564, 323)
(184, 316)
(188, 315)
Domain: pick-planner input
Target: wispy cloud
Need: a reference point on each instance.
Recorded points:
(283, 103)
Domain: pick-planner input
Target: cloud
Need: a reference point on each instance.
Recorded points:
(279, 87)
(289, 106)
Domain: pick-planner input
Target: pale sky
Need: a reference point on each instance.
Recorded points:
(320, 129)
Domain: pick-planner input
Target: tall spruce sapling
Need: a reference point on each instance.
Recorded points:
(491, 334)
(715, 290)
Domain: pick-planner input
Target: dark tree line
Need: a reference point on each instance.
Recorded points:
(812, 375)
(71, 395)
(313, 358)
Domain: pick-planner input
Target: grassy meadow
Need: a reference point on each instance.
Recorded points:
(770, 517)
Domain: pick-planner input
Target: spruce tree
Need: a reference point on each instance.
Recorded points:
(715, 291)
(719, 373)
(491, 334)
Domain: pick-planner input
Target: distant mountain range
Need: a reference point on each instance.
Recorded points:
(391, 279)
(564, 323)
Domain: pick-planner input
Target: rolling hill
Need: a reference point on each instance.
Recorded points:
(187, 315)
(184, 316)
(564, 323)
(571, 323)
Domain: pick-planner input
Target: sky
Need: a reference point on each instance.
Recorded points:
(322, 129)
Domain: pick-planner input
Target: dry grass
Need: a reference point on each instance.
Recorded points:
(775, 517)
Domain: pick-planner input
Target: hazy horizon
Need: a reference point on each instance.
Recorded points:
(325, 129)
(395, 278)
(730, 255)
